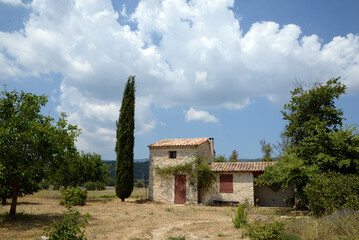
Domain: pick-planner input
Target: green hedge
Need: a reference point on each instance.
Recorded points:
(332, 191)
(95, 186)
(74, 196)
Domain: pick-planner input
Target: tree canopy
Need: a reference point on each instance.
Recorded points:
(78, 169)
(30, 142)
(125, 141)
(316, 141)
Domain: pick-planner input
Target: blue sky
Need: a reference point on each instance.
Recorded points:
(215, 68)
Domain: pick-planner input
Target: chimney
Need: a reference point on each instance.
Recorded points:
(211, 145)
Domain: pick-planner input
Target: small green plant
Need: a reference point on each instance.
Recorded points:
(73, 196)
(177, 238)
(91, 186)
(70, 228)
(265, 231)
(169, 209)
(241, 217)
(44, 185)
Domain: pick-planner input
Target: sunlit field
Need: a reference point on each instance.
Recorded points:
(139, 219)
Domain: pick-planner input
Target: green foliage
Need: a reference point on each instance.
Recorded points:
(139, 170)
(241, 217)
(177, 238)
(267, 150)
(95, 186)
(185, 168)
(125, 141)
(316, 142)
(332, 191)
(265, 231)
(73, 196)
(77, 169)
(70, 228)
(234, 156)
(31, 145)
(139, 184)
(45, 185)
(205, 177)
(198, 172)
(221, 158)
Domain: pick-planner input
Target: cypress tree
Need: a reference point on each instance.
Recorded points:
(125, 141)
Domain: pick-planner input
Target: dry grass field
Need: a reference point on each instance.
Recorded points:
(136, 219)
(113, 219)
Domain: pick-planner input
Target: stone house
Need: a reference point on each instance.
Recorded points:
(234, 179)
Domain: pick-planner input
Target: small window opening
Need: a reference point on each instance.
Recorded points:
(173, 154)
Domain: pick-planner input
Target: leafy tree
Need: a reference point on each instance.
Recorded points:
(267, 150)
(332, 191)
(78, 169)
(221, 158)
(125, 142)
(234, 156)
(316, 140)
(30, 143)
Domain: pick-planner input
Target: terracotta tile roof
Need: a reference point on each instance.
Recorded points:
(178, 143)
(240, 166)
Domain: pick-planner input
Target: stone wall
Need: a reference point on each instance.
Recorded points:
(161, 188)
(242, 190)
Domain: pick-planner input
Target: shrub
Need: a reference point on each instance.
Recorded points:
(73, 196)
(69, 228)
(139, 184)
(241, 217)
(332, 191)
(45, 185)
(95, 186)
(265, 231)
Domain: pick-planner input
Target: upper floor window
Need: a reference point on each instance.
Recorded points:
(173, 154)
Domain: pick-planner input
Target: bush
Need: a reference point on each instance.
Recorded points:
(265, 231)
(73, 196)
(70, 228)
(95, 186)
(45, 185)
(139, 184)
(332, 191)
(241, 217)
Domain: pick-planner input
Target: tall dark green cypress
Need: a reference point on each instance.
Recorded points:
(125, 141)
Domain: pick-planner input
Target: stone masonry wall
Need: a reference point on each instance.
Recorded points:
(242, 189)
(161, 188)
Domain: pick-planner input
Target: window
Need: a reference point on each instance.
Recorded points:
(173, 154)
(226, 183)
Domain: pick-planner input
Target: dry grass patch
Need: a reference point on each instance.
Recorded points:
(112, 219)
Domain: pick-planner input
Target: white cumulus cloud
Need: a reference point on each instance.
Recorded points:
(194, 115)
(183, 53)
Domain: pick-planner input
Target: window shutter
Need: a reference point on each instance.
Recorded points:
(226, 183)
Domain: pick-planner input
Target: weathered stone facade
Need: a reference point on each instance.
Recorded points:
(242, 190)
(173, 152)
(162, 188)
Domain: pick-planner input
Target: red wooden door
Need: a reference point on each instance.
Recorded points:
(180, 189)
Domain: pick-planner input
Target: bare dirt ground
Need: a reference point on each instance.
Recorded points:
(113, 219)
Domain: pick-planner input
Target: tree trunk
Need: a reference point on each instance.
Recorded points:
(122, 199)
(16, 188)
(3, 201)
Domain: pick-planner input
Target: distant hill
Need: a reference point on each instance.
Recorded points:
(140, 169)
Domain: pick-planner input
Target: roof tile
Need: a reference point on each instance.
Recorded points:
(240, 166)
(185, 142)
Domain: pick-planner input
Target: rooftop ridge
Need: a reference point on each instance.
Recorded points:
(240, 166)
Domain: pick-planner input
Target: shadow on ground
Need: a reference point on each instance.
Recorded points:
(22, 221)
